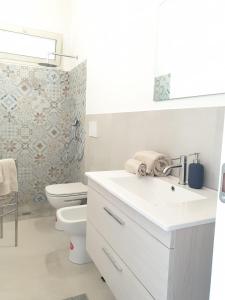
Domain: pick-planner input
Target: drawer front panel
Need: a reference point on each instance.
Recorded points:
(121, 281)
(165, 237)
(147, 258)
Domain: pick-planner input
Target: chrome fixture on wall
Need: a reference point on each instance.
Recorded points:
(48, 64)
(74, 149)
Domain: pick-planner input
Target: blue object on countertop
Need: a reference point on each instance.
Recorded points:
(196, 174)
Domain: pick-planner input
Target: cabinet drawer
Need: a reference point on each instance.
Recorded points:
(146, 257)
(165, 237)
(119, 278)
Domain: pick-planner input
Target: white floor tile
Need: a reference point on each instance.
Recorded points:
(39, 269)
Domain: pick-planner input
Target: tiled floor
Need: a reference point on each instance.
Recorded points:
(39, 269)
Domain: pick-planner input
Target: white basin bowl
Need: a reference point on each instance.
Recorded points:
(161, 200)
(73, 219)
(157, 190)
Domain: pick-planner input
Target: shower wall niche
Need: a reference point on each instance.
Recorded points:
(42, 114)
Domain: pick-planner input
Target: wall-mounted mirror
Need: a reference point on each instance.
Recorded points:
(190, 51)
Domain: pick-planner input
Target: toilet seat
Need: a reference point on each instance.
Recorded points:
(66, 194)
(67, 189)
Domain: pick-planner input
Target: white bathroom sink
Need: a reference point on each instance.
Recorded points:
(161, 200)
(159, 191)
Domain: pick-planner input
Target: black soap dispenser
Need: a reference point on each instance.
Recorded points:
(196, 173)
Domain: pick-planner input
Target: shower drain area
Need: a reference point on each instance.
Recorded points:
(79, 297)
(26, 213)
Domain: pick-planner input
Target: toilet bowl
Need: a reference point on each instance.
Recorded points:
(67, 194)
(73, 221)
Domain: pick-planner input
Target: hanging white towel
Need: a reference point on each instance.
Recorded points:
(8, 183)
(1, 174)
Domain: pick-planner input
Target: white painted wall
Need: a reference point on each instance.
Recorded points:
(48, 15)
(41, 14)
(118, 39)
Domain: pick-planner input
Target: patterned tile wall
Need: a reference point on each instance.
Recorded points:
(42, 114)
(162, 88)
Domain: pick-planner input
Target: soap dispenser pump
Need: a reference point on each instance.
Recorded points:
(195, 173)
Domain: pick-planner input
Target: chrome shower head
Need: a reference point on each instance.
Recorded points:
(49, 65)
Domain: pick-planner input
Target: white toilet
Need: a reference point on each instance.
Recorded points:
(67, 194)
(73, 221)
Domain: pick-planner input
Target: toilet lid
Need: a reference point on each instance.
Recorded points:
(76, 188)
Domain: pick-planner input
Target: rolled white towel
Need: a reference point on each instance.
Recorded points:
(156, 162)
(136, 167)
(9, 183)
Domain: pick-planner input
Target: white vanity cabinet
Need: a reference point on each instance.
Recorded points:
(141, 261)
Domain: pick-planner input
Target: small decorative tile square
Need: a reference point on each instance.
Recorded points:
(80, 297)
(42, 114)
(162, 88)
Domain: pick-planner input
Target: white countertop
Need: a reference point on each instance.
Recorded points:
(154, 199)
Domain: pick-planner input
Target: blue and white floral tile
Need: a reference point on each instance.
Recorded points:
(162, 88)
(38, 107)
